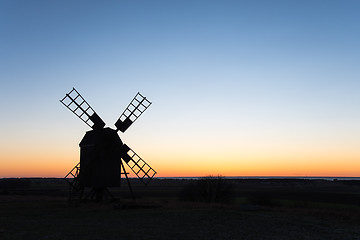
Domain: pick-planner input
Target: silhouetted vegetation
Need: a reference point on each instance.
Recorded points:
(289, 209)
(209, 189)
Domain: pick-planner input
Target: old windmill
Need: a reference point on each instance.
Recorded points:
(102, 152)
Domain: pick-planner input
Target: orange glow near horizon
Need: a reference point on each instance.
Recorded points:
(41, 166)
(57, 161)
(254, 170)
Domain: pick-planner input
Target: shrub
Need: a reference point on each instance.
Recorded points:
(208, 189)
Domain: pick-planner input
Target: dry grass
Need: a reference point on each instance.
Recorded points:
(34, 217)
(261, 210)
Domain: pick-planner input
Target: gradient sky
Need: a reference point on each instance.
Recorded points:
(239, 88)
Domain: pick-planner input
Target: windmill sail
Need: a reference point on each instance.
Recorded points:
(77, 104)
(133, 111)
(141, 169)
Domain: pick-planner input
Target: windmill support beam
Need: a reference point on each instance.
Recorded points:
(127, 180)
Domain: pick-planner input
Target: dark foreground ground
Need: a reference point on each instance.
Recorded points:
(260, 209)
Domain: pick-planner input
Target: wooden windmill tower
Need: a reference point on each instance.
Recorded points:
(102, 153)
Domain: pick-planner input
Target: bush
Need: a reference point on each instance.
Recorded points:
(208, 189)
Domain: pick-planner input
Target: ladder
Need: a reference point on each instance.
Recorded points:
(76, 188)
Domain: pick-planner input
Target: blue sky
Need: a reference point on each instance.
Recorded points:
(234, 77)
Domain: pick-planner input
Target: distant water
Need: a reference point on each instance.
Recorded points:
(274, 177)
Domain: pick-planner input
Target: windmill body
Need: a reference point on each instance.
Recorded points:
(101, 150)
(100, 156)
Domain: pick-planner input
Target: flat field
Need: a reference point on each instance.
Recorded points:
(260, 209)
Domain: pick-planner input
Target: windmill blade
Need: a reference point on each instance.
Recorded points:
(141, 169)
(72, 178)
(133, 111)
(77, 104)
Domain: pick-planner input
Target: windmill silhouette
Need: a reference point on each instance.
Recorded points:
(102, 153)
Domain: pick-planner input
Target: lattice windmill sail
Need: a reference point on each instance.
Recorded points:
(101, 150)
(133, 111)
(77, 104)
